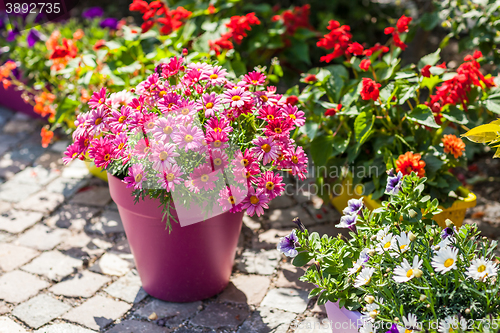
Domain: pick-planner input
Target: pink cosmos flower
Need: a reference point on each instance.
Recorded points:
(98, 98)
(255, 202)
(168, 102)
(141, 149)
(136, 176)
(236, 97)
(185, 111)
(272, 184)
(164, 129)
(191, 77)
(120, 119)
(211, 103)
(255, 78)
(163, 154)
(293, 113)
(266, 149)
(203, 177)
(102, 152)
(297, 161)
(215, 76)
(170, 177)
(97, 120)
(189, 137)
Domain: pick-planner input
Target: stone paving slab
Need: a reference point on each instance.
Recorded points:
(313, 325)
(4, 308)
(63, 328)
(18, 286)
(282, 218)
(73, 217)
(49, 160)
(218, 315)
(84, 284)
(266, 319)
(41, 237)
(128, 288)
(245, 289)
(54, 265)
(5, 206)
(7, 325)
(135, 326)
(15, 192)
(173, 314)
(258, 262)
(108, 223)
(76, 169)
(94, 196)
(15, 221)
(287, 299)
(111, 264)
(66, 186)
(288, 277)
(44, 202)
(13, 256)
(97, 312)
(36, 175)
(40, 310)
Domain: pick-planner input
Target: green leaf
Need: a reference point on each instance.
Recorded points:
(340, 144)
(239, 67)
(278, 70)
(301, 51)
(429, 20)
(362, 126)
(493, 105)
(430, 59)
(310, 128)
(293, 91)
(315, 292)
(455, 115)
(321, 149)
(423, 115)
(301, 259)
(89, 60)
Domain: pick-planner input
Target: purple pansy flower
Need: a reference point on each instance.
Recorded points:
(33, 37)
(93, 12)
(447, 232)
(110, 23)
(394, 183)
(287, 245)
(394, 329)
(354, 207)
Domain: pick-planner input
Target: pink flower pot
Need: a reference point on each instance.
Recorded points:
(11, 99)
(189, 264)
(342, 320)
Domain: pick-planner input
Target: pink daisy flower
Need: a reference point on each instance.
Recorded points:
(170, 177)
(163, 154)
(136, 176)
(255, 202)
(211, 103)
(202, 67)
(97, 120)
(146, 121)
(236, 97)
(168, 101)
(191, 77)
(98, 98)
(71, 153)
(255, 78)
(230, 199)
(172, 67)
(138, 104)
(269, 113)
(297, 161)
(120, 119)
(218, 159)
(120, 99)
(266, 149)
(217, 139)
(81, 123)
(141, 149)
(218, 125)
(204, 178)
(102, 152)
(279, 128)
(272, 184)
(189, 137)
(121, 145)
(215, 76)
(164, 129)
(293, 113)
(185, 111)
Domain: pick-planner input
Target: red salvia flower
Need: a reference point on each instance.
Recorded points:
(425, 71)
(370, 89)
(310, 78)
(402, 24)
(237, 30)
(365, 64)
(338, 39)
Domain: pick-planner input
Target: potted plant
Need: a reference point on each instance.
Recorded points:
(371, 114)
(200, 149)
(399, 270)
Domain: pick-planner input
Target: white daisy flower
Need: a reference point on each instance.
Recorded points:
(364, 277)
(367, 328)
(403, 242)
(481, 268)
(448, 325)
(383, 232)
(387, 243)
(446, 242)
(411, 323)
(405, 272)
(356, 267)
(445, 260)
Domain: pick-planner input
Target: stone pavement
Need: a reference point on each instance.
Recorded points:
(65, 264)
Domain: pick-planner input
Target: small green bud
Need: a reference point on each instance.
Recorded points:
(412, 236)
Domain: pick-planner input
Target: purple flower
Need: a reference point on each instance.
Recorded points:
(11, 36)
(287, 245)
(33, 37)
(348, 221)
(110, 23)
(394, 183)
(354, 207)
(447, 232)
(93, 12)
(299, 224)
(394, 329)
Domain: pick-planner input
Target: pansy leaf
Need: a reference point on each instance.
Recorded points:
(423, 115)
(301, 259)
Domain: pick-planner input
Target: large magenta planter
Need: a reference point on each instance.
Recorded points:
(11, 99)
(342, 320)
(191, 263)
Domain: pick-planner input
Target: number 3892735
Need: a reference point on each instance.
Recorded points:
(33, 8)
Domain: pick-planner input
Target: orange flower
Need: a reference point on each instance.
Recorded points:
(42, 106)
(78, 34)
(6, 84)
(85, 95)
(53, 40)
(410, 162)
(453, 145)
(46, 137)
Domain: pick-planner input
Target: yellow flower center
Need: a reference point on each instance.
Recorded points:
(217, 143)
(236, 98)
(254, 200)
(162, 93)
(408, 331)
(448, 262)
(255, 81)
(263, 98)
(217, 161)
(403, 247)
(266, 147)
(138, 107)
(481, 268)
(121, 145)
(146, 150)
(107, 157)
(101, 100)
(270, 117)
(217, 130)
(185, 111)
(214, 76)
(387, 245)
(188, 138)
(292, 116)
(163, 155)
(204, 178)
(168, 130)
(209, 105)
(245, 162)
(270, 186)
(98, 121)
(170, 177)
(295, 159)
(277, 130)
(231, 200)
(121, 119)
(409, 273)
(248, 174)
(150, 125)
(138, 177)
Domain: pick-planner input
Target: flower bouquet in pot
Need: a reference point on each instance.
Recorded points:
(200, 149)
(399, 270)
(371, 114)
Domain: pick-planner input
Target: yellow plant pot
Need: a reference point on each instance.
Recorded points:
(97, 172)
(456, 213)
